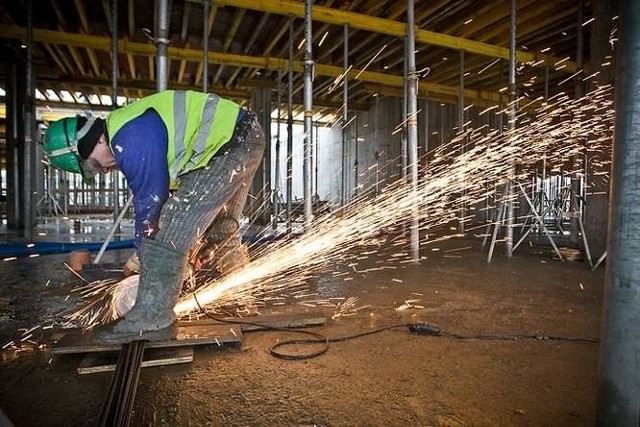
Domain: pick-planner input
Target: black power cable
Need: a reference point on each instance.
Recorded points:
(421, 328)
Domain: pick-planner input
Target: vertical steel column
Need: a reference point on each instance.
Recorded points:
(308, 112)
(13, 104)
(276, 186)
(162, 41)
(290, 128)
(463, 147)
(377, 147)
(355, 157)
(205, 46)
(29, 131)
(345, 113)
(403, 134)
(412, 123)
(314, 188)
(426, 130)
(512, 126)
(579, 93)
(114, 101)
(619, 368)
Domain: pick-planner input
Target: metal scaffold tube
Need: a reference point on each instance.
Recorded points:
(114, 102)
(205, 45)
(29, 131)
(290, 128)
(512, 127)
(412, 124)
(308, 113)
(619, 369)
(345, 114)
(162, 41)
(463, 207)
(276, 186)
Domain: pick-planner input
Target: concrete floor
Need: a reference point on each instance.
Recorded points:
(390, 378)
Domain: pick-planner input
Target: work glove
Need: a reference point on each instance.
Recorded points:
(132, 266)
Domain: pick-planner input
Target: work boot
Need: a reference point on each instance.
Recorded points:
(152, 317)
(227, 253)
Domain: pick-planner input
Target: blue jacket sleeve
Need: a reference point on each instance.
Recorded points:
(140, 151)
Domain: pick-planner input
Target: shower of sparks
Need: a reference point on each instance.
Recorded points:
(561, 128)
(370, 61)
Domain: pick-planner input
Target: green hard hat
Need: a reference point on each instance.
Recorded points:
(61, 143)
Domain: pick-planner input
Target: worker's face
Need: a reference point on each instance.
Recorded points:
(103, 156)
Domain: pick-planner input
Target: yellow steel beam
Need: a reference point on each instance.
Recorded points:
(128, 47)
(389, 27)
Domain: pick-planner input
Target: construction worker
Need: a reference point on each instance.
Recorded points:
(210, 147)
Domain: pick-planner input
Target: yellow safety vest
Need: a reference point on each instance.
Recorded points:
(198, 124)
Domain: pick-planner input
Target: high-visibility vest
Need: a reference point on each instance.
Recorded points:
(198, 124)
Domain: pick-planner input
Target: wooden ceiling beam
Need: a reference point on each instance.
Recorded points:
(85, 28)
(267, 63)
(388, 27)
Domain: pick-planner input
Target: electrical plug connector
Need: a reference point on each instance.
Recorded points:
(424, 328)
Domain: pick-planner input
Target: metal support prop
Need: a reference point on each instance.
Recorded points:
(618, 401)
(276, 186)
(116, 226)
(114, 102)
(290, 128)
(579, 92)
(355, 156)
(314, 187)
(345, 114)
(308, 113)
(412, 124)
(512, 127)
(463, 206)
(162, 41)
(426, 129)
(205, 45)
(29, 131)
(403, 134)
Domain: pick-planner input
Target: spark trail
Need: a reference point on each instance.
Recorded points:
(559, 130)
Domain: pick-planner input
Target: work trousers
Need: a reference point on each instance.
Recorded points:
(218, 190)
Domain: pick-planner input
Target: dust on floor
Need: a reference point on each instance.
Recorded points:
(390, 378)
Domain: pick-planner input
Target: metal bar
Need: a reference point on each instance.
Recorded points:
(118, 404)
(308, 113)
(512, 127)
(29, 131)
(276, 186)
(205, 45)
(162, 41)
(463, 207)
(619, 371)
(403, 134)
(116, 226)
(290, 128)
(412, 124)
(345, 112)
(114, 102)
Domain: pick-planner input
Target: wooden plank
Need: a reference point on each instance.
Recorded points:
(79, 341)
(101, 362)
